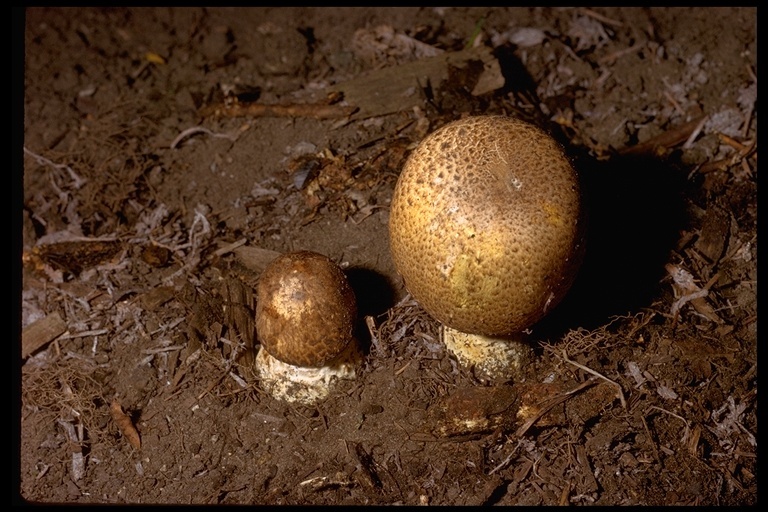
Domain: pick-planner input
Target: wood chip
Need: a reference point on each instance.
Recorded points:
(398, 88)
(714, 234)
(40, 333)
(156, 297)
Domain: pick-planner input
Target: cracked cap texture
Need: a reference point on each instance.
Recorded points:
(486, 224)
(305, 309)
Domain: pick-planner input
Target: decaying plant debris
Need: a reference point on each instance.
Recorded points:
(170, 153)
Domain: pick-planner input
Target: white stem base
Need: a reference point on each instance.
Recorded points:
(304, 384)
(491, 358)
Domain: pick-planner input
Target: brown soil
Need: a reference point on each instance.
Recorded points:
(142, 243)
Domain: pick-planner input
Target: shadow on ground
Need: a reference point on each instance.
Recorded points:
(635, 212)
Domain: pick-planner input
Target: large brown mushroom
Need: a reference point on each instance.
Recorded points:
(305, 317)
(486, 229)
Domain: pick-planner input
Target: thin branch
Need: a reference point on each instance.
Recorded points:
(597, 374)
(687, 430)
(668, 139)
(199, 129)
(507, 459)
(315, 110)
(77, 181)
(600, 17)
(550, 404)
(695, 133)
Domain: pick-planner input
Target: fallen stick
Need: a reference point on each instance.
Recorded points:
(314, 110)
(545, 408)
(199, 129)
(615, 384)
(668, 139)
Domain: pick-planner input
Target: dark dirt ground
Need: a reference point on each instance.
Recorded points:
(142, 241)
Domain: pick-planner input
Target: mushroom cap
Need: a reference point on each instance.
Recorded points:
(486, 225)
(305, 309)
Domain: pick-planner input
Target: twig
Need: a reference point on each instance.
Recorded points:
(370, 323)
(162, 349)
(668, 139)
(611, 57)
(315, 110)
(597, 374)
(687, 430)
(686, 290)
(83, 334)
(230, 247)
(238, 379)
(674, 102)
(550, 404)
(751, 73)
(507, 459)
(738, 146)
(717, 165)
(199, 129)
(600, 17)
(695, 133)
(77, 181)
(213, 384)
(646, 320)
(199, 232)
(746, 168)
(650, 439)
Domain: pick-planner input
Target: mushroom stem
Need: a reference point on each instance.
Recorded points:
(491, 357)
(303, 384)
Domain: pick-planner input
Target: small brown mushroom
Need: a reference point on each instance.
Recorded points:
(486, 229)
(305, 317)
